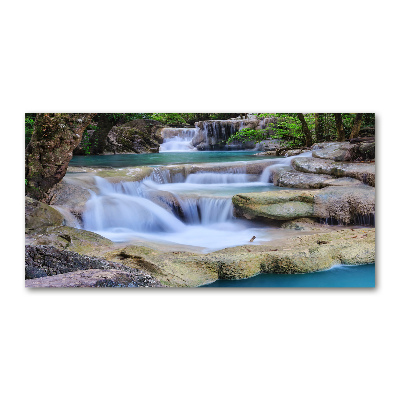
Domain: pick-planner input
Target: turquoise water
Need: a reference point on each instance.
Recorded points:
(189, 157)
(338, 276)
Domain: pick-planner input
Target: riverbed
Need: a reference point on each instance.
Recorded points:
(195, 210)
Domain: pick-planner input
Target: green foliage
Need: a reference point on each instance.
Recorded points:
(86, 142)
(170, 118)
(29, 123)
(122, 118)
(287, 127)
(189, 118)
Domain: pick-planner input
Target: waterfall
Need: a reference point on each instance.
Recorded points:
(213, 178)
(157, 209)
(206, 210)
(177, 139)
(266, 176)
(121, 206)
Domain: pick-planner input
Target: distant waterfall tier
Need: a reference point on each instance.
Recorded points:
(178, 139)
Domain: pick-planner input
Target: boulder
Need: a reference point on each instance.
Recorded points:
(288, 177)
(137, 136)
(67, 237)
(339, 204)
(46, 261)
(70, 196)
(364, 172)
(39, 215)
(94, 278)
(345, 204)
(345, 151)
(277, 205)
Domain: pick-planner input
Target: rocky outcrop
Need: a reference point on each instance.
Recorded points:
(287, 177)
(137, 136)
(66, 237)
(70, 196)
(364, 172)
(339, 204)
(346, 204)
(213, 134)
(50, 150)
(47, 261)
(344, 151)
(300, 254)
(277, 205)
(94, 278)
(39, 215)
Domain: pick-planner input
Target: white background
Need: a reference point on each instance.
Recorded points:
(209, 56)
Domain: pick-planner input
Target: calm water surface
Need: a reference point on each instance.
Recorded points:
(338, 276)
(188, 157)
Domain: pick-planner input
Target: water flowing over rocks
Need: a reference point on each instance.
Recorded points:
(170, 208)
(44, 262)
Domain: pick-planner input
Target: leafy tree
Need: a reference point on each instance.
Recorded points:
(297, 130)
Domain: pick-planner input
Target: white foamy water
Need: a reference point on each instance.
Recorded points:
(266, 176)
(139, 210)
(177, 139)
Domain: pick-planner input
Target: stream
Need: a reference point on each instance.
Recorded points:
(193, 209)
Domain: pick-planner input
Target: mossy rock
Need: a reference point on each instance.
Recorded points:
(39, 215)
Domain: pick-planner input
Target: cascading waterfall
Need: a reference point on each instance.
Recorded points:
(158, 209)
(121, 206)
(214, 179)
(266, 176)
(178, 139)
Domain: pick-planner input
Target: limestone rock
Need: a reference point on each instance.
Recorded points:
(279, 205)
(94, 278)
(345, 204)
(344, 151)
(288, 177)
(38, 215)
(342, 204)
(364, 172)
(46, 261)
(137, 136)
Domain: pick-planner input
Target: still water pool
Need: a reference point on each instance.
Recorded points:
(337, 276)
(192, 157)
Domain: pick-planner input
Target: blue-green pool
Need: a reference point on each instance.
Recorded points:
(188, 157)
(338, 276)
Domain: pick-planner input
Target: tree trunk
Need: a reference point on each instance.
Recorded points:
(49, 152)
(319, 127)
(339, 127)
(356, 126)
(306, 130)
